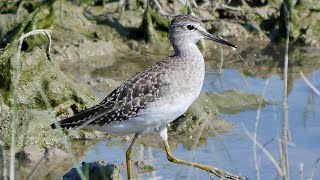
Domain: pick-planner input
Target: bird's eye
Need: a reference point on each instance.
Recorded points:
(190, 27)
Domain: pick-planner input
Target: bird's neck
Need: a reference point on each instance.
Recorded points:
(187, 51)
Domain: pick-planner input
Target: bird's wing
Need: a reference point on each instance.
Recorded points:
(125, 101)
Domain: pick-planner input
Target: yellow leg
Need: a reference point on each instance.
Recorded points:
(129, 157)
(218, 172)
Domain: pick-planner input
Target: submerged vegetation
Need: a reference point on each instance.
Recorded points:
(96, 44)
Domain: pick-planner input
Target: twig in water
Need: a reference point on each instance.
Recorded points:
(286, 62)
(220, 76)
(221, 59)
(39, 31)
(288, 142)
(300, 171)
(64, 138)
(14, 111)
(3, 162)
(284, 160)
(267, 153)
(309, 83)
(245, 62)
(256, 132)
(314, 167)
(196, 141)
(268, 142)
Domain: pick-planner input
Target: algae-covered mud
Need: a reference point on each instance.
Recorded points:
(96, 45)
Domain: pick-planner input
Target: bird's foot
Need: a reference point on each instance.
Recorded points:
(224, 175)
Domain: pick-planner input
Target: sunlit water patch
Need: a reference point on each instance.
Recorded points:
(304, 126)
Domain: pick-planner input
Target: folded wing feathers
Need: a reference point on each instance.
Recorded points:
(124, 102)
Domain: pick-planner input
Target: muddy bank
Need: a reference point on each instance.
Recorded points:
(51, 162)
(253, 19)
(38, 81)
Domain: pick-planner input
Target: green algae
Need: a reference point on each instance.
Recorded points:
(152, 20)
(37, 72)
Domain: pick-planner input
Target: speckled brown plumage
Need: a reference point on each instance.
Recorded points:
(128, 99)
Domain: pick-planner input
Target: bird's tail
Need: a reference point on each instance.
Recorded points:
(77, 120)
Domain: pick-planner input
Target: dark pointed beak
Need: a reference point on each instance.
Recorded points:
(218, 39)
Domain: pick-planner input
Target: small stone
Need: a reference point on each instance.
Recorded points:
(30, 154)
(95, 170)
(144, 167)
(55, 154)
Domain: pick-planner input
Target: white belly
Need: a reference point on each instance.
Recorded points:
(157, 114)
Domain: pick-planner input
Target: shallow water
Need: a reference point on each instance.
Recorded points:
(233, 151)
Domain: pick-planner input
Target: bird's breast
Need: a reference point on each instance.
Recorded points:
(185, 82)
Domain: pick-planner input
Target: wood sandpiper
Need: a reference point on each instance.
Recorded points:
(151, 99)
